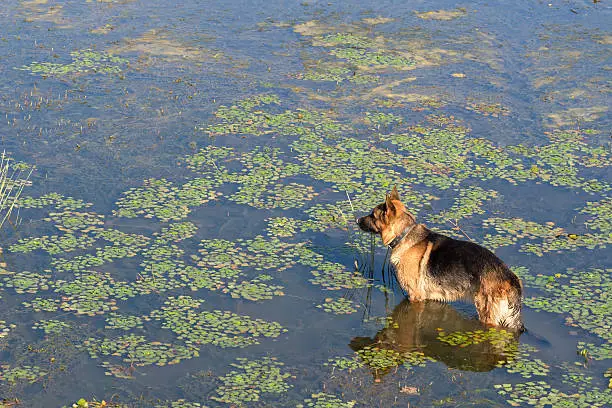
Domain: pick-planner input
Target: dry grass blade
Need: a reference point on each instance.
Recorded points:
(12, 182)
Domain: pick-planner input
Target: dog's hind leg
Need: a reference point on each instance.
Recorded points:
(499, 304)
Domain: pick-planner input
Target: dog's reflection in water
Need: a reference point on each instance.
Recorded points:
(439, 332)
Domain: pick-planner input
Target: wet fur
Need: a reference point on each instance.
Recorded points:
(429, 265)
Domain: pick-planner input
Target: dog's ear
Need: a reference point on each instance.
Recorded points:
(389, 204)
(394, 194)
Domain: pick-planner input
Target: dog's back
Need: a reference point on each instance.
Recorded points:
(479, 275)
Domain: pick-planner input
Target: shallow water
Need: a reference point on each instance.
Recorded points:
(188, 207)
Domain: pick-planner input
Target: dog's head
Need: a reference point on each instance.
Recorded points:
(388, 219)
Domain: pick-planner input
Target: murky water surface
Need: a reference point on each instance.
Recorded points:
(188, 240)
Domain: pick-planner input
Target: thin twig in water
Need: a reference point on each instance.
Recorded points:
(350, 202)
(457, 227)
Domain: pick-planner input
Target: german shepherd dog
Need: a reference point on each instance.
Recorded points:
(432, 266)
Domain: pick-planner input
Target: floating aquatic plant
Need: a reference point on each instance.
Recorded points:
(26, 373)
(27, 282)
(443, 15)
(255, 289)
(545, 237)
(540, 394)
(498, 337)
(43, 304)
(73, 221)
(52, 326)
(122, 321)
(323, 400)
(5, 328)
(380, 359)
(221, 328)
(582, 296)
(339, 306)
(596, 352)
(54, 244)
(282, 227)
(137, 351)
(335, 276)
(250, 379)
(344, 363)
(54, 200)
(162, 199)
(83, 62)
(521, 362)
(469, 202)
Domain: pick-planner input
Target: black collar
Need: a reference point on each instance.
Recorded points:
(401, 236)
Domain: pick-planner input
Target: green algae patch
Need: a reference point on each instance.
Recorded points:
(250, 379)
(84, 61)
(220, 328)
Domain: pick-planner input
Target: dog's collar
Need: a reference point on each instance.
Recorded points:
(401, 236)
